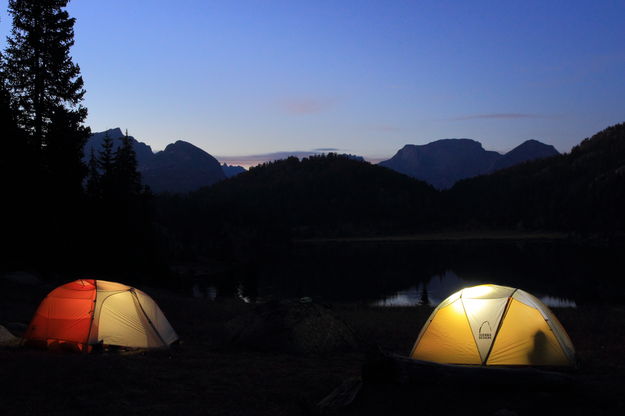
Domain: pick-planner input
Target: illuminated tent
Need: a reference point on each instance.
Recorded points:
(86, 312)
(493, 325)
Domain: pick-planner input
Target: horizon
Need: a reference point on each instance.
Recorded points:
(249, 161)
(252, 78)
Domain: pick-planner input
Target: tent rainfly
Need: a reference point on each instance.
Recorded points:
(87, 312)
(494, 325)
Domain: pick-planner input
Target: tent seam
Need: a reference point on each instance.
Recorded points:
(158, 334)
(93, 304)
(477, 347)
(503, 317)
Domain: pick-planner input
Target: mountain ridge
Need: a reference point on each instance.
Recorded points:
(180, 167)
(444, 162)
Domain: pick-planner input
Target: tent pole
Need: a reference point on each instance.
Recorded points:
(503, 316)
(95, 299)
(158, 334)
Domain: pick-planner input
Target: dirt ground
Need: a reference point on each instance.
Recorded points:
(204, 376)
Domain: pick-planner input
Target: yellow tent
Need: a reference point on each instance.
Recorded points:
(494, 325)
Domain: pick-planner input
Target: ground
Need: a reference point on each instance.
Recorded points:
(204, 376)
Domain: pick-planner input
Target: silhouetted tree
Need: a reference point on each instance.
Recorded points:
(17, 178)
(124, 225)
(93, 177)
(40, 74)
(45, 90)
(63, 153)
(8, 125)
(128, 178)
(105, 162)
(424, 298)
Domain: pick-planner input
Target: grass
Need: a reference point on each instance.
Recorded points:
(204, 376)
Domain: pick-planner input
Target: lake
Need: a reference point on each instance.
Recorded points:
(410, 273)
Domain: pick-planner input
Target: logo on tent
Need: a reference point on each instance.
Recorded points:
(485, 331)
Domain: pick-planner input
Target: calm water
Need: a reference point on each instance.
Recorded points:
(405, 274)
(441, 286)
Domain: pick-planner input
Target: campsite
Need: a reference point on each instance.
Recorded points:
(206, 373)
(300, 208)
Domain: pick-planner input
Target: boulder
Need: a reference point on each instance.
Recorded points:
(299, 327)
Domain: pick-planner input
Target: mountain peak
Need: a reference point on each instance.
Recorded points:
(113, 133)
(116, 132)
(526, 151)
(444, 162)
(143, 151)
(182, 143)
(181, 167)
(232, 170)
(534, 143)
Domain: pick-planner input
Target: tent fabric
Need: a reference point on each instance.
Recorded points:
(64, 316)
(88, 312)
(526, 339)
(494, 325)
(448, 338)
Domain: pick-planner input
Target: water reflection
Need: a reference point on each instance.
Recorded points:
(556, 302)
(410, 297)
(440, 286)
(406, 274)
(243, 294)
(431, 292)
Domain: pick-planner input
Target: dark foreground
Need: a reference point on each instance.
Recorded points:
(204, 376)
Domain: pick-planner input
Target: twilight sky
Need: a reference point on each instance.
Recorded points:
(241, 78)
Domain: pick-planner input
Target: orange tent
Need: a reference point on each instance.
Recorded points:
(88, 312)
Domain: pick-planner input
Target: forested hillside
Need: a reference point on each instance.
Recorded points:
(582, 191)
(317, 196)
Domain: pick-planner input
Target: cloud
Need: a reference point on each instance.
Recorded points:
(502, 116)
(327, 149)
(306, 105)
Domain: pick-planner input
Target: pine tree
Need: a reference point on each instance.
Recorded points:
(128, 177)
(63, 153)
(106, 162)
(14, 149)
(40, 74)
(18, 176)
(9, 127)
(93, 177)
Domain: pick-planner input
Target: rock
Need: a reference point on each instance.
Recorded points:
(293, 327)
(7, 339)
